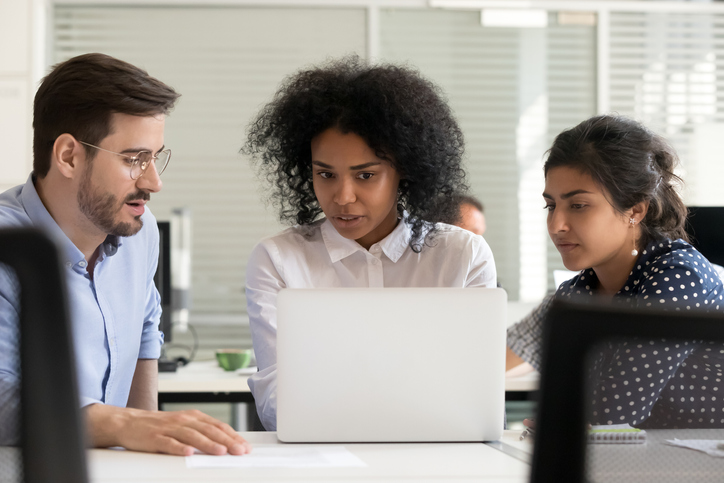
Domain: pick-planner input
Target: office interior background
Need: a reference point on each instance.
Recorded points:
(515, 78)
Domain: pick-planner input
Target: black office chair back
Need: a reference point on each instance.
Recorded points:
(572, 332)
(51, 433)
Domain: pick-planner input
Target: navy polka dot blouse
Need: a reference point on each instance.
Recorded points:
(650, 383)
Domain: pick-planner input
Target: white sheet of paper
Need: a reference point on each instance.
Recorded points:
(708, 446)
(281, 456)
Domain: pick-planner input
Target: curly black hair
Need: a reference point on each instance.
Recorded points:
(403, 117)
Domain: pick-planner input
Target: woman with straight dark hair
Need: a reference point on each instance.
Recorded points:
(615, 215)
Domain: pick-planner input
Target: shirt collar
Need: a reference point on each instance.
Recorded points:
(393, 245)
(41, 218)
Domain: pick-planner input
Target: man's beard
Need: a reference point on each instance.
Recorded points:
(101, 208)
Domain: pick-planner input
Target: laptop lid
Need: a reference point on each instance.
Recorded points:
(390, 364)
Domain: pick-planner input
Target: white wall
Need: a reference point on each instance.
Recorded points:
(17, 88)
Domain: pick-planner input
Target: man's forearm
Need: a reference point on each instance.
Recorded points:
(144, 388)
(512, 359)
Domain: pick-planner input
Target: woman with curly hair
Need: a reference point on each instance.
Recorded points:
(377, 151)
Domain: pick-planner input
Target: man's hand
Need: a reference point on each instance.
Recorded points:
(176, 432)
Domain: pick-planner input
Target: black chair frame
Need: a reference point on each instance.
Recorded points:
(570, 332)
(52, 435)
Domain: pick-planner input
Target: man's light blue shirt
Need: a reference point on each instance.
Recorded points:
(114, 316)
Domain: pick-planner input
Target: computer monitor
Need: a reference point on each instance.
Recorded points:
(705, 226)
(162, 278)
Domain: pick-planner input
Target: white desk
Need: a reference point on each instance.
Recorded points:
(525, 383)
(433, 462)
(205, 381)
(504, 461)
(655, 461)
(651, 462)
(202, 376)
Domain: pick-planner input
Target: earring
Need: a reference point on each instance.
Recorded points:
(634, 252)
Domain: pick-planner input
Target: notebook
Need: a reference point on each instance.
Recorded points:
(616, 434)
(390, 365)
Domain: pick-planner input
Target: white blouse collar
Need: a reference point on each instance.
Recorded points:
(393, 245)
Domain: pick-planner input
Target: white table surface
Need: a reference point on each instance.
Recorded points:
(526, 382)
(207, 376)
(431, 462)
(202, 376)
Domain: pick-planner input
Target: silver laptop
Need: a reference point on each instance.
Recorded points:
(390, 364)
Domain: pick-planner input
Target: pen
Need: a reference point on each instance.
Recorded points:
(526, 432)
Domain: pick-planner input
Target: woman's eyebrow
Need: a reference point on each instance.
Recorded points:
(366, 165)
(574, 193)
(569, 194)
(352, 168)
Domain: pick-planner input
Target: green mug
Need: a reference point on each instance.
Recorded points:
(233, 359)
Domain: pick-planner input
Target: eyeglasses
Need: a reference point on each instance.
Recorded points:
(139, 163)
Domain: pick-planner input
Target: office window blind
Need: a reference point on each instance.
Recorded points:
(512, 90)
(477, 69)
(226, 63)
(571, 94)
(666, 71)
(509, 112)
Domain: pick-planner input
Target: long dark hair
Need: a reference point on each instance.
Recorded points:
(632, 164)
(402, 116)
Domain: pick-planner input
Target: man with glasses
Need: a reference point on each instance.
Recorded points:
(98, 156)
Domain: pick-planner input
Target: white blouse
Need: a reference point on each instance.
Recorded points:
(316, 255)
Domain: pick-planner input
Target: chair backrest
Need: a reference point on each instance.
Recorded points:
(51, 436)
(571, 332)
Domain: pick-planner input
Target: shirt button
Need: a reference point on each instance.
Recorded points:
(375, 261)
(81, 264)
(68, 264)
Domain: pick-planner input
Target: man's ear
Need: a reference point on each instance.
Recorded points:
(639, 210)
(66, 154)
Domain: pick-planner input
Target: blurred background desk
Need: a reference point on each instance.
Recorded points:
(525, 383)
(205, 382)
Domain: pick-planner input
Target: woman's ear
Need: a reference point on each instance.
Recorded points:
(639, 210)
(66, 154)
